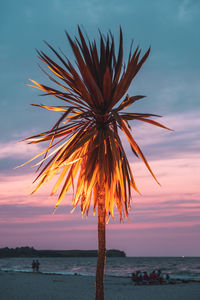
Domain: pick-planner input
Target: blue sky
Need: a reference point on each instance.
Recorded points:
(170, 79)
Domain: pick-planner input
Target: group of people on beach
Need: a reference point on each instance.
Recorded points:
(155, 277)
(35, 265)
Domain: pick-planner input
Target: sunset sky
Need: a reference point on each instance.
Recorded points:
(166, 218)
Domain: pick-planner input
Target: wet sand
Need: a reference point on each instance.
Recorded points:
(36, 286)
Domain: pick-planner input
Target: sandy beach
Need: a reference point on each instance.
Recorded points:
(36, 286)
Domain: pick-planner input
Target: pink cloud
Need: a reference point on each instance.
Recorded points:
(39, 219)
(17, 190)
(177, 176)
(16, 149)
(172, 209)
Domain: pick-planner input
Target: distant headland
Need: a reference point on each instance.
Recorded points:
(31, 252)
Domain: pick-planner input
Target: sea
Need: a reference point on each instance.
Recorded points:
(184, 268)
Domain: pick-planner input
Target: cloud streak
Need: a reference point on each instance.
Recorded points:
(15, 149)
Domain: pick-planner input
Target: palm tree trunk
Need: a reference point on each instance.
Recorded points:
(101, 244)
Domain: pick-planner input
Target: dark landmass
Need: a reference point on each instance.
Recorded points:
(31, 252)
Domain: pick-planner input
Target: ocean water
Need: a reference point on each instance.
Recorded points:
(187, 268)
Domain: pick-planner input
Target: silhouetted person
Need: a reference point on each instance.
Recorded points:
(167, 278)
(159, 277)
(33, 265)
(153, 277)
(133, 277)
(138, 277)
(37, 265)
(145, 277)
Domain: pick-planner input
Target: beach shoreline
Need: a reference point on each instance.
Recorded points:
(37, 286)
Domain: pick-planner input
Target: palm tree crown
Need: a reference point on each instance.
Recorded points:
(85, 140)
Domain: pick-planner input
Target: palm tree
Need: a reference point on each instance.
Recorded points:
(85, 141)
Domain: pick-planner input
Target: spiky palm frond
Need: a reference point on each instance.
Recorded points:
(85, 140)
